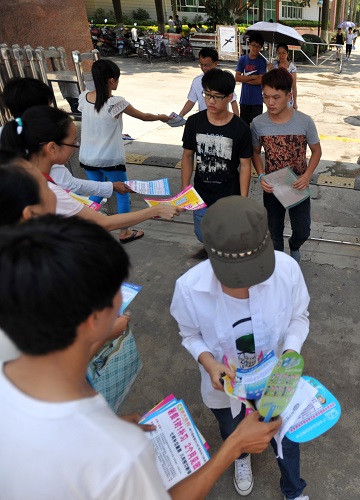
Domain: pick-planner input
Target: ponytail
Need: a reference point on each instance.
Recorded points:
(101, 71)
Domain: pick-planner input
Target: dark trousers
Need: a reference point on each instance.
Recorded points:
(299, 218)
(249, 111)
(291, 484)
(348, 49)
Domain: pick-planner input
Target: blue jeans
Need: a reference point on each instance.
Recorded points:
(227, 424)
(100, 175)
(299, 217)
(198, 215)
(291, 484)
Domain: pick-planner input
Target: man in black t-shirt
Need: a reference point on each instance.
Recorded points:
(220, 142)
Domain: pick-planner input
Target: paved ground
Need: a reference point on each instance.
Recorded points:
(331, 266)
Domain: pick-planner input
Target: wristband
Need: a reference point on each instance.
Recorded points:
(261, 175)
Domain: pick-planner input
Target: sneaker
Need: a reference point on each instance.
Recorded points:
(296, 255)
(243, 480)
(301, 497)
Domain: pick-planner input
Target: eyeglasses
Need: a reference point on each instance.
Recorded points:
(206, 66)
(75, 144)
(255, 46)
(215, 98)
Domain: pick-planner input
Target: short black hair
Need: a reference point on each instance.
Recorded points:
(219, 80)
(54, 273)
(18, 189)
(209, 52)
(257, 38)
(23, 93)
(279, 79)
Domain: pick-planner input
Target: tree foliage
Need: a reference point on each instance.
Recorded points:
(227, 11)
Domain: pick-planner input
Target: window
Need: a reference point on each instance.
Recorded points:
(290, 11)
(191, 6)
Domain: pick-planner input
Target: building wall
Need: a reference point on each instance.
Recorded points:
(59, 23)
(128, 6)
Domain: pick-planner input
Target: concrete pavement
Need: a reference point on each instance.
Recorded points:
(331, 266)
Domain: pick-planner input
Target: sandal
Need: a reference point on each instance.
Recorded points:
(133, 237)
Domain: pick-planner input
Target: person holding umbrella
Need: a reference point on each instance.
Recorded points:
(283, 61)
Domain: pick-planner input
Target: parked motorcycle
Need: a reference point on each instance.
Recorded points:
(95, 33)
(109, 44)
(182, 50)
(153, 47)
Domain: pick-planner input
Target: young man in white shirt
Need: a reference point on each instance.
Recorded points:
(59, 439)
(243, 302)
(208, 59)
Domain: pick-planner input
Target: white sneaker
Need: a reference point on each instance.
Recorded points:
(243, 480)
(301, 497)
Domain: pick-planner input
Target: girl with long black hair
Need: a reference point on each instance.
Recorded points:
(102, 152)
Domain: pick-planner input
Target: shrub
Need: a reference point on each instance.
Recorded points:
(308, 49)
(100, 15)
(309, 37)
(141, 14)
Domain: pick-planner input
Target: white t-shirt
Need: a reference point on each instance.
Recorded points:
(349, 38)
(101, 133)
(8, 350)
(62, 176)
(195, 93)
(72, 450)
(65, 204)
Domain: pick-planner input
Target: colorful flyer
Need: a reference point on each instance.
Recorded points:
(250, 383)
(178, 446)
(281, 385)
(128, 292)
(85, 200)
(187, 199)
(322, 413)
(159, 187)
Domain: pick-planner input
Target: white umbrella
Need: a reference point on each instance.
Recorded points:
(347, 24)
(276, 33)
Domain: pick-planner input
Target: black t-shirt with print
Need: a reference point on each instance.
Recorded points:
(218, 150)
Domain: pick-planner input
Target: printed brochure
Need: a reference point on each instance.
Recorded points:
(282, 181)
(180, 450)
(159, 187)
(188, 199)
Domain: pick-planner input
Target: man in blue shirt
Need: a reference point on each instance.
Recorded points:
(249, 71)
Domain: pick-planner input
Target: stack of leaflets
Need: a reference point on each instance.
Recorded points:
(180, 448)
(176, 120)
(188, 199)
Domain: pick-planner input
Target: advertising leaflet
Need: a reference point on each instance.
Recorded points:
(180, 449)
(128, 292)
(159, 187)
(188, 199)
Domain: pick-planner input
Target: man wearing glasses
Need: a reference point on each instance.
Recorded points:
(221, 144)
(249, 71)
(208, 59)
